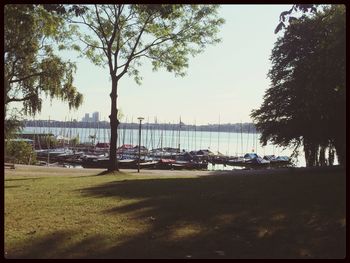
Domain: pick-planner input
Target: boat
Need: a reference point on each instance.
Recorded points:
(148, 165)
(279, 160)
(236, 161)
(165, 164)
(103, 162)
(53, 154)
(258, 161)
(94, 162)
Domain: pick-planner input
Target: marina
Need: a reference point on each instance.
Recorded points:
(174, 149)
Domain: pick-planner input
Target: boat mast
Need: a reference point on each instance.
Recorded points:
(219, 135)
(124, 129)
(104, 132)
(64, 132)
(160, 132)
(76, 133)
(34, 132)
(236, 139)
(228, 143)
(161, 138)
(188, 138)
(172, 143)
(241, 138)
(256, 142)
(209, 137)
(146, 137)
(132, 131)
(195, 135)
(152, 129)
(248, 138)
(48, 144)
(70, 131)
(98, 131)
(119, 136)
(200, 138)
(179, 134)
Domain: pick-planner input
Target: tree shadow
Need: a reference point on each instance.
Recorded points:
(23, 179)
(106, 172)
(255, 216)
(12, 186)
(59, 244)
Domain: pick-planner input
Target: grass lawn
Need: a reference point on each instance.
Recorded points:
(76, 213)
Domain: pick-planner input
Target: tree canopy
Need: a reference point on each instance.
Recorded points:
(306, 101)
(287, 16)
(121, 37)
(32, 69)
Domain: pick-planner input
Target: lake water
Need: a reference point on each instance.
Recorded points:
(235, 144)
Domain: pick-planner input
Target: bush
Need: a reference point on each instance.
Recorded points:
(20, 152)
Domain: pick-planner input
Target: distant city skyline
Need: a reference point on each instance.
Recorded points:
(93, 118)
(224, 83)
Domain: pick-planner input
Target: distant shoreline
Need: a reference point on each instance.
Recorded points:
(227, 127)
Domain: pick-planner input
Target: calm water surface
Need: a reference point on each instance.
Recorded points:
(235, 144)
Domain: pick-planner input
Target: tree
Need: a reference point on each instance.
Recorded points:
(22, 152)
(31, 66)
(12, 124)
(304, 8)
(306, 101)
(123, 36)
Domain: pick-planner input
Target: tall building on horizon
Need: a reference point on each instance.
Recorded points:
(86, 118)
(95, 117)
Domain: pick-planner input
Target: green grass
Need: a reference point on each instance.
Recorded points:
(76, 213)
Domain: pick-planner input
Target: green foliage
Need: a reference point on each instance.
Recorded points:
(46, 142)
(120, 114)
(74, 141)
(20, 152)
(305, 8)
(51, 141)
(31, 67)
(306, 101)
(123, 36)
(11, 126)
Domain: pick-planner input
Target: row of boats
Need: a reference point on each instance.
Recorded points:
(162, 158)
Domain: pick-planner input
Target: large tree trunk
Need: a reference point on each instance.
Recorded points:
(340, 138)
(114, 122)
(310, 151)
(340, 148)
(322, 156)
(330, 155)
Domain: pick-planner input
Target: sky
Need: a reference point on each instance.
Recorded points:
(223, 84)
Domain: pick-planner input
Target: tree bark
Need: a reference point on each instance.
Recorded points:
(340, 148)
(310, 151)
(322, 156)
(114, 122)
(330, 155)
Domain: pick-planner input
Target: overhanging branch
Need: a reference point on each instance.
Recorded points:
(134, 48)
(14, 99)
(27, 77)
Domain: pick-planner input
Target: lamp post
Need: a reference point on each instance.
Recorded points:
(138, 166)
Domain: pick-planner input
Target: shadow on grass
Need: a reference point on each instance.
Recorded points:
(12, 186)
(23, 179)
(105, 172)
(57, 245)
(267, 216)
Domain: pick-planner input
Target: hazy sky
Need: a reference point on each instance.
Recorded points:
(227, 80)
